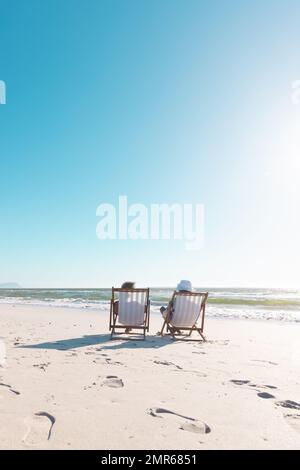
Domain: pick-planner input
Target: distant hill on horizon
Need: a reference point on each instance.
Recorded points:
(10, 285)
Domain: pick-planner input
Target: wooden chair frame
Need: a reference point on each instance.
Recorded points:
(113, 325)
(174, 330)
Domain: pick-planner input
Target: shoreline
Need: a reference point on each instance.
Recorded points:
(105, 311)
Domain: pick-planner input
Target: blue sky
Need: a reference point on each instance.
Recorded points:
(163, 101)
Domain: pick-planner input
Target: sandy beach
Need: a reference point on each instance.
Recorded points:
(65, 385)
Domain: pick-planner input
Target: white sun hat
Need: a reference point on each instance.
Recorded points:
(184, 285)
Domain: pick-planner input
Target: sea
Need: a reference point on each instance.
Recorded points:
(244, 303)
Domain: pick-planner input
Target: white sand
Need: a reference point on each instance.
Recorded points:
(67, 382)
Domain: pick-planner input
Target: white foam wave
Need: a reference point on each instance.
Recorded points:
(213, 311)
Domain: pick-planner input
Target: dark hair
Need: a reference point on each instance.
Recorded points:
(128, 285)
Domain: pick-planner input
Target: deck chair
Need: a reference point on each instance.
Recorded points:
(133, 312)
(183, 313)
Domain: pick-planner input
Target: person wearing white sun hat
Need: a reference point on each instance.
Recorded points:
(183, 286)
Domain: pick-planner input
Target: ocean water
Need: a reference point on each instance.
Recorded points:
(268, 304)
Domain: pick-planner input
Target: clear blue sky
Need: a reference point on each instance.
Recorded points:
(163, 101)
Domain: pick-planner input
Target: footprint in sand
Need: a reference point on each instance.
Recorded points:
(265, 395)
(199, 428)
(257, 387)
(166, 363)
(240, 382)
(109, 361)
(289, 404)
(42, 366)
(263, 386)
(113, 381)
(293, 421)
(190, 425)
(10, 388)
(266, 362)
(39, 428)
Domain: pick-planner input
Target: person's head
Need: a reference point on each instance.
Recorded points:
(184, 286)
(128, 285)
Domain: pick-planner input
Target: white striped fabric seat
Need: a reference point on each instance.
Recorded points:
(186, 310)
(132, 308)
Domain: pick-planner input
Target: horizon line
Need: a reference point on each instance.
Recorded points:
(151, 287)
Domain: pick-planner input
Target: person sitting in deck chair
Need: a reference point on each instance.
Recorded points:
(185, 312)
(183, 286)
(129, 310)
(125, 285)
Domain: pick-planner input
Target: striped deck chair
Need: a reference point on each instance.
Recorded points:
(133, 311)
(183, 313)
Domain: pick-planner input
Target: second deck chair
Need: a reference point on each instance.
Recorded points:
(133, 311)
(183, 313)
